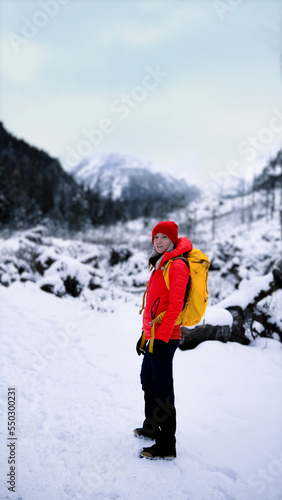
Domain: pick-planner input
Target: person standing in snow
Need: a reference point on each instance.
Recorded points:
(158, 343)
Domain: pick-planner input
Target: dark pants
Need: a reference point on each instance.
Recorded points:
(157, 384)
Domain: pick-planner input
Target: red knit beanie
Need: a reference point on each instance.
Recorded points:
(167, 227)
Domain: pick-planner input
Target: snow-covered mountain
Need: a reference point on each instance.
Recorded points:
(124, 178)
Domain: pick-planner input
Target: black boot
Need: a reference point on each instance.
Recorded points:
(156, 453)
(140, 433)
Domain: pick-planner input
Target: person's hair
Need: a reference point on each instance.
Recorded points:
(153, 259)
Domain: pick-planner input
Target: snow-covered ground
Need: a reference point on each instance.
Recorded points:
(76, 374)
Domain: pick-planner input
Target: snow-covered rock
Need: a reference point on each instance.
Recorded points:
(215, 325)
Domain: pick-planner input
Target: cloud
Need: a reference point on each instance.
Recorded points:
(148, 34)
(19, 67)
(158, 23)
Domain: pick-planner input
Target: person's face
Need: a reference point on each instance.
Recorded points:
(161, 242)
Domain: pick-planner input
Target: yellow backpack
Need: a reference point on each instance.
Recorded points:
(196, 296)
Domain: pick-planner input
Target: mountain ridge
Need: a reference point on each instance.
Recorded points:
(123, 177)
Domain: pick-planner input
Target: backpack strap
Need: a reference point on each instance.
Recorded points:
(151, 343)
(167, 265)
(143, 340)
(143, 302)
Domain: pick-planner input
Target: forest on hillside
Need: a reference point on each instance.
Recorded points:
(34, 189)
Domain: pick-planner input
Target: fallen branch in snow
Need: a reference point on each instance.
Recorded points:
(250, 319)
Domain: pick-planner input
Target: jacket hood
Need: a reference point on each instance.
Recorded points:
(183, 245)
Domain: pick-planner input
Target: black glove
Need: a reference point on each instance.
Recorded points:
(159, 348)
(138, 350)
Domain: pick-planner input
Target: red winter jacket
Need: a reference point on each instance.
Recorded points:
(159, 298)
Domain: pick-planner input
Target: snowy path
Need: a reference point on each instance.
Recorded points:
(77, 379)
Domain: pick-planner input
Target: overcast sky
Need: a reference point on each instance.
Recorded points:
(193, 87)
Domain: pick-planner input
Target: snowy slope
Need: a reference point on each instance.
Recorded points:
(77, 378)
